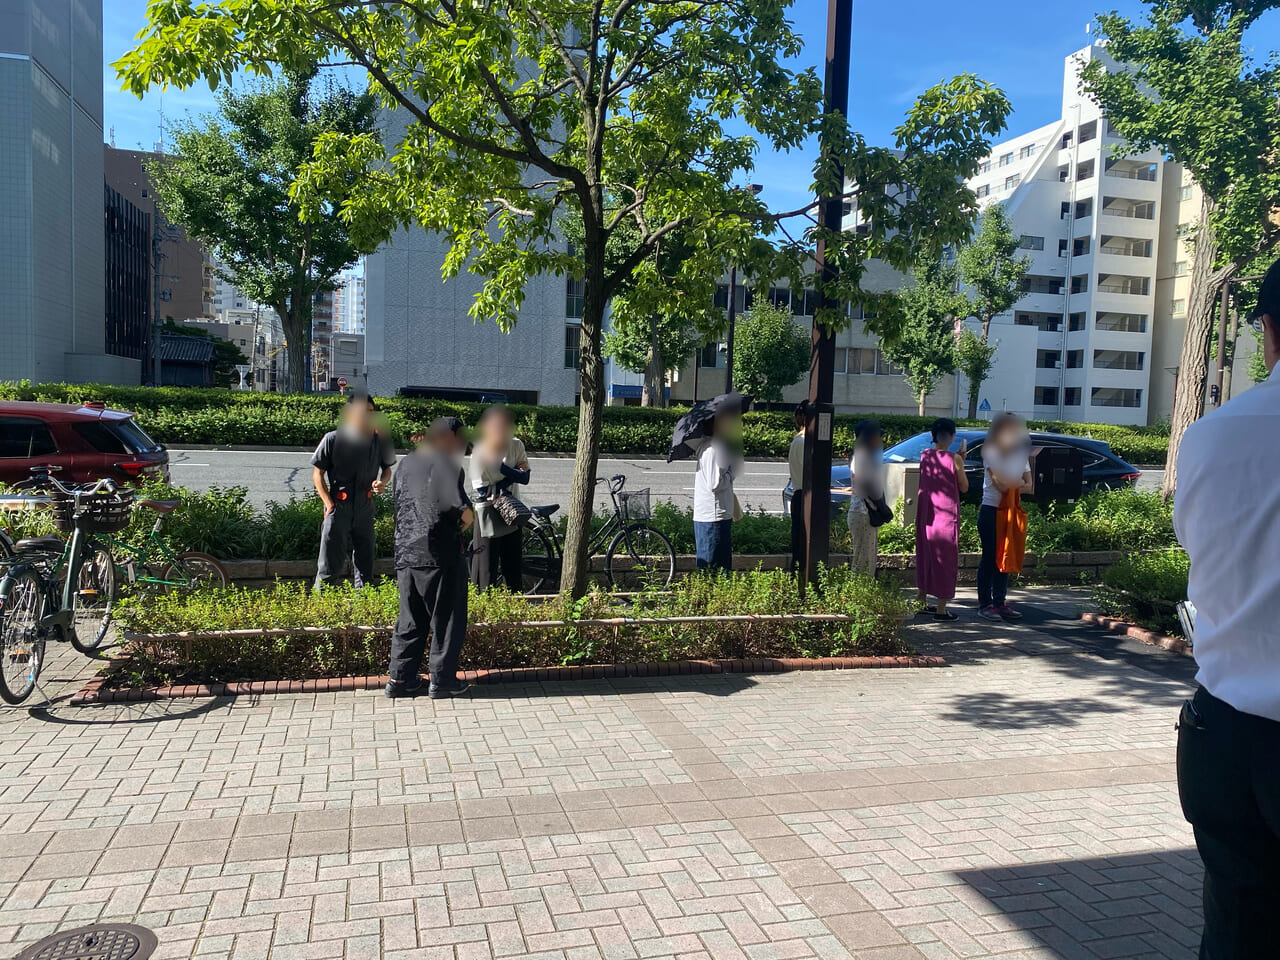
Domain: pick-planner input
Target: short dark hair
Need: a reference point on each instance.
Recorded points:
(942, 425)
(1269, 297)
(362, 398)
(802, 409)
(498, 410)
(866, 429)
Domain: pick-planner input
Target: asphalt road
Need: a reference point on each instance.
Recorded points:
(279, 475)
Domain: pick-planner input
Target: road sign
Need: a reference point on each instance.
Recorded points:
(985, 406)
(342, 383)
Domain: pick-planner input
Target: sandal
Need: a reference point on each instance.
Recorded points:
(947, 617)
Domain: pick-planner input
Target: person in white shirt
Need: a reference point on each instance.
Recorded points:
(713, 500)
(1005, 453)
(867, 467)
(1227, 516)
(498, 462)
(795, 462)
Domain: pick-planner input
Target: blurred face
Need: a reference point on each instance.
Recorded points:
(358, 417)
(873, 442)
(498, 431)
(729, 427)
(449, 443)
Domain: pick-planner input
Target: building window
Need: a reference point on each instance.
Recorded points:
(1046, 396)
(1011, 182)
(1028, 151)
(780, 296)
(1179, 307)
(1066, 141)
(1115, 397)
(709, 355)
(1133, 286)
(1071, 396)
(1039, 284)
(1122, 322)
(1049, 322)
(1062, 246)
(842, 358)
(1029, 242)
(1118, 359)
(1084, 170)
(1180, 268)
(985, 166)
(1080, 283)
(1075, 359)
(1047, 360)
(1077, 322)
(1088, 131)
(1184, 192)
(983, 191)
(1081, 247)
(572, 345)
(573, 298)
(1084, 208)
(1006, 159)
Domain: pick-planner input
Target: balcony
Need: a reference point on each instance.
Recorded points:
(1125, 169)
(1110, 322)
(1125, 246)
(1126, 285)
(1118, 359)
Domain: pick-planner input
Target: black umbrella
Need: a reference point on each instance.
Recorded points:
(690, 435)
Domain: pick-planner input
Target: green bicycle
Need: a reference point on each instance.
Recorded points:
(153, 564)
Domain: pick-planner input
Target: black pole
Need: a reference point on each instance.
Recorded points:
(733, 316)
(819, 427)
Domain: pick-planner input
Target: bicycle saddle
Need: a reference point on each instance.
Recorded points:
(546, 511)
(42, 544)
(161, 506)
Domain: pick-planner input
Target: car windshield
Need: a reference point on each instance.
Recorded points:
(134, 437)
(909, 451)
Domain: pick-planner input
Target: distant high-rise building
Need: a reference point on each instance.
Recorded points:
(51, 195)
(348, 304)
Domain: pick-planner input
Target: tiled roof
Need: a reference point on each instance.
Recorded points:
(177, 349)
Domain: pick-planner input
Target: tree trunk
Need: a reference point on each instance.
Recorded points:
(1193, 367)
(921, 399)
(297, 335)
(577, 567)
(655, 373)
(973, 402)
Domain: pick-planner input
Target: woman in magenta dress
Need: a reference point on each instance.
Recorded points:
(942, 481)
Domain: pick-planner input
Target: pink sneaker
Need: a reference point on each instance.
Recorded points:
(990, 612)
(1007, 612)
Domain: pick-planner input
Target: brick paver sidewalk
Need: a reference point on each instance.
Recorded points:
(1020, 803)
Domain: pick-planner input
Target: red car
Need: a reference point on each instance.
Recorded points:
(88, 442)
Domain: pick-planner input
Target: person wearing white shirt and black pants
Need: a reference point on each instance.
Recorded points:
(1227, 516)
(713, 499)
(795, 463)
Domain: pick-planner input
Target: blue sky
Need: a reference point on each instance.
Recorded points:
(900, 49)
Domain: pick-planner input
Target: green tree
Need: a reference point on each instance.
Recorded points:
(926, 346)
(974, 357)
(228, 184)
(521, 116)
(226, 355)
(1258, 371)
(770, 351)
(1189, 87)
(992, 270)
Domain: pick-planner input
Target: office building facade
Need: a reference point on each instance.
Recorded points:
(127, 274)
(51, 194)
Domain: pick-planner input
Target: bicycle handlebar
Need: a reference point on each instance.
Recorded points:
(616, 482)
(44, 475)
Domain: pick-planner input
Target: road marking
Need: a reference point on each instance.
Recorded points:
(187, 463)
(748, 489)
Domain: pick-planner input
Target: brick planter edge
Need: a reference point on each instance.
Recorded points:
(1172, 644)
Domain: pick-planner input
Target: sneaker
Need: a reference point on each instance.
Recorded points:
(1008, 613)
(394, 689)
(448, 688)
(990, 612)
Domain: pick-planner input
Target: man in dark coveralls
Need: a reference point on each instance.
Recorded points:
(351, 465)
(432, 512)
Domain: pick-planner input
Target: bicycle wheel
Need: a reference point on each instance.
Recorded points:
(539, 571)
(639, 557)
(21, 647)
(94, 599)
(194, 571)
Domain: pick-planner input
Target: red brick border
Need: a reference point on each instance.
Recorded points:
(95, 691)
(1172, 644)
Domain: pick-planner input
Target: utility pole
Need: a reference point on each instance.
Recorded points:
(819, 426)
(733, 317)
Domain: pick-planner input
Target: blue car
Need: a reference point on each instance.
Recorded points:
(1103, 470)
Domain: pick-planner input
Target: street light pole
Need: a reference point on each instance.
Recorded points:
(818, 427)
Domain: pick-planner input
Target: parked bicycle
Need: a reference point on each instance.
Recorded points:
(59, 589)
(155, 565)
(638, 555)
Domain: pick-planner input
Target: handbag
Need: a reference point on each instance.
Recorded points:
(878, 511)
(489, 523)
(1011, 533)
(738, 512)
(513, 511)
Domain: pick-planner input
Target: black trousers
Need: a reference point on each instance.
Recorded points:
(432, 600)
(797, 533)
(993, 585)
(497, 559)
(347, 533)
(1229, 783)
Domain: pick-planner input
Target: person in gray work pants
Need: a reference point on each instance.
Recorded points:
(351, 465)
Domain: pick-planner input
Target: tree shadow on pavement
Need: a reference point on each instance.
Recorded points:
(1000, 711)
(1129, 905)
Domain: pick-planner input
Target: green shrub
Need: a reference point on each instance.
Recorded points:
(1145, 590)
(879, 611)
(235, 417)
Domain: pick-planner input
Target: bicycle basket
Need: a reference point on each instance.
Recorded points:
(634, 504)
(98, 512)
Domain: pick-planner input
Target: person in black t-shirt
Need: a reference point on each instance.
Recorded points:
(432, 511)
(351, 465)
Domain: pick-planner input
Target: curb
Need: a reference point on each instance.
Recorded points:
(1172, 644)
(94, 693)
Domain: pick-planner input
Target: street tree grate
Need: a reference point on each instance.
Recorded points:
(102, 941)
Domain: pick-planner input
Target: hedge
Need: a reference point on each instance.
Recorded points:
(1146, 589)
(231, 417)
(221, 521)
(879, 611)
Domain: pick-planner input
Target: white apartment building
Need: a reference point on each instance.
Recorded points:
(348, 304)
(1107, 287)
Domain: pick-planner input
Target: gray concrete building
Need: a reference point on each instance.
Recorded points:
(51, 194)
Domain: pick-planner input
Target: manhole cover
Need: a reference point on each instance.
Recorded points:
(102, 941)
